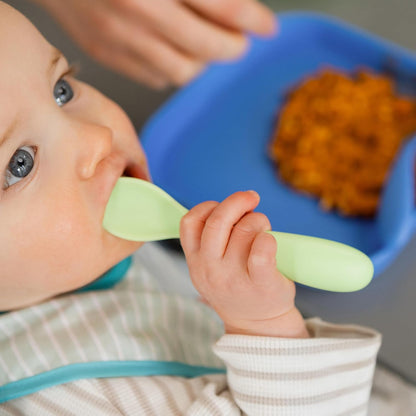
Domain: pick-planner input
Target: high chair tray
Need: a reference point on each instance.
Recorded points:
(211, 138)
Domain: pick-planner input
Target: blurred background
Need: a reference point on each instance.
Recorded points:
(388, 304)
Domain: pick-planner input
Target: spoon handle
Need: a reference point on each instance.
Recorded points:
(321, 263)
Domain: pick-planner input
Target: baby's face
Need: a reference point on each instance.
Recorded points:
(63, 145)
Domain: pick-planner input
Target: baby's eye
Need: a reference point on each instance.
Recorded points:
(62, 92)
(20, 165)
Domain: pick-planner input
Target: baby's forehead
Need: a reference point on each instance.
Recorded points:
(24, 56)
(24, 52)
(9, 16)
(18, 35)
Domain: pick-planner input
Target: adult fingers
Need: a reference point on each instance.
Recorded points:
(242, 237)
(192, 224)
(104, 40)
(188, 30)
(219, 224)
(174, 65)
(122, 60)
(241, 15)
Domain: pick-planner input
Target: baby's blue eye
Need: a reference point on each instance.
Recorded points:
(20, 165)
(62, 92)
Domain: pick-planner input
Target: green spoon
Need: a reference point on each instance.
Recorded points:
(140, 211)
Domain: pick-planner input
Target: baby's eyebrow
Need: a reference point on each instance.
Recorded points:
(7, 134)
(56, 56)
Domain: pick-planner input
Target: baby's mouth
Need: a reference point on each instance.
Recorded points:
(136, 171)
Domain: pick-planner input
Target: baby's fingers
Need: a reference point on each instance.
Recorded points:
(192, 225)
(219, 224)
(243, 235)
(262, 259)
(275, 288)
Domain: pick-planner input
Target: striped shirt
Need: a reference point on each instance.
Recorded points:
(136, 349)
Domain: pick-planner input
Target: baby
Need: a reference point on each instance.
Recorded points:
(86, 329)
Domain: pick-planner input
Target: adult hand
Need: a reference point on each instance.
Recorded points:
(161, 42)
(232, 264)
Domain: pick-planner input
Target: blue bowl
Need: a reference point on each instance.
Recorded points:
(211, 138)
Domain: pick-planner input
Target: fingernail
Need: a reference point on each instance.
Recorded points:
(272, 28)
(260, 20)
(254, 193)
(235, 48)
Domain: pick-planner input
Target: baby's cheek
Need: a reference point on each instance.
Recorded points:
(47, 250)
(56, 249)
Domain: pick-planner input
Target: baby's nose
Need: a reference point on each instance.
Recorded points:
(96, 145)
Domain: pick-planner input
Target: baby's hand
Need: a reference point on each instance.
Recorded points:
(232, 264)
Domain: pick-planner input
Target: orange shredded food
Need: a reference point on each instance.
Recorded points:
(337, 136)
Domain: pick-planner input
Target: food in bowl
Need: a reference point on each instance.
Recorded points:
(337, 136)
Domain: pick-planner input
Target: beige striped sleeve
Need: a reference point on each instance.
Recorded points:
(330, 373)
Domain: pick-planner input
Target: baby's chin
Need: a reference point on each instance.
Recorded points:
(130, 246)
(121, 248)
(116, 251)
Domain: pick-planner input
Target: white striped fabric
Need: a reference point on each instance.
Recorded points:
(304, 389)
(328, 374)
